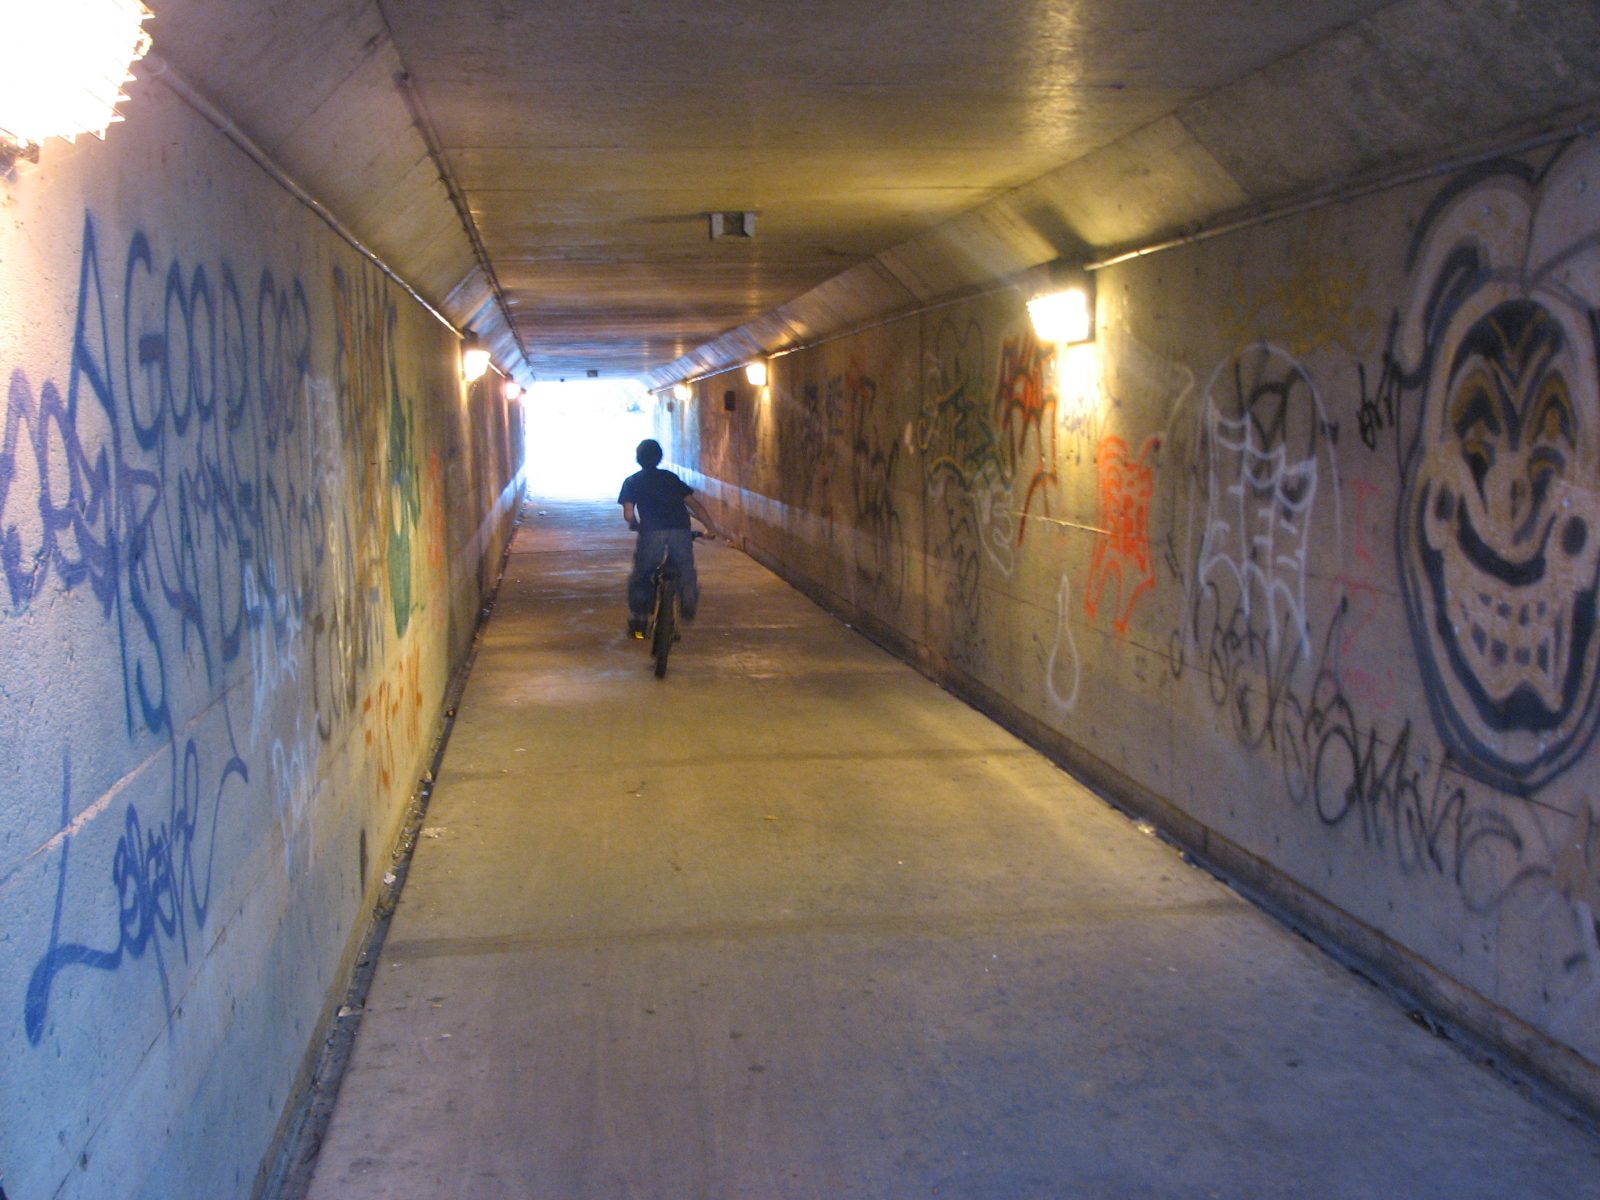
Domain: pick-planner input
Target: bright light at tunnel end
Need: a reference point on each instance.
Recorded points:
(66, 65)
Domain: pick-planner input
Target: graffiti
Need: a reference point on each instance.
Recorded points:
(1122, 550)
(274, 636)
(1024, 405)
(1262, 440)
(391, 714)
(1306, 705)
(378, 426)
(1343, 767)
(1379, 411)
(1061, 672)
(160, 888)
(294, 774)
(976, 444)
(149, 487)
(1575, 879)
(880, 565)
(809, 432)
(960, 459)
(173, 486)
(1497, 540)
(954, 543)
(1348, 770)
(1081, 432)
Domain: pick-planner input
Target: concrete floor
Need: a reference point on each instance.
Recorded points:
(794, 922)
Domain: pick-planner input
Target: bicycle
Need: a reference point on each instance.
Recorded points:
(661, 627)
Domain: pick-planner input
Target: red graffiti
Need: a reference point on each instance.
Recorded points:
(1122, 554)
(392, 714)
(1023, 403)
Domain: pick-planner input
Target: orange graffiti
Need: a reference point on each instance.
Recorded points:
(1025, 403)
(392, 715)
(1123, 552)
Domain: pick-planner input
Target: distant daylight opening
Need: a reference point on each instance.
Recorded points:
(581, 436)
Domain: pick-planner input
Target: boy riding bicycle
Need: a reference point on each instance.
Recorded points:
(658, 504)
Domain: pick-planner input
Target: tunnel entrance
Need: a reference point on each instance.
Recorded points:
(581, 436)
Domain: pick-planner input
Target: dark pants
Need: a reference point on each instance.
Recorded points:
(677, 547)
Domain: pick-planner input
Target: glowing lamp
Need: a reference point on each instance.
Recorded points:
(756, 373)
(1062, 317)
(65, 68)
(513, 389)
(682, 391)
(474, 358)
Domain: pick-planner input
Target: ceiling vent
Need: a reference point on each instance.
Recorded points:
(725, 225)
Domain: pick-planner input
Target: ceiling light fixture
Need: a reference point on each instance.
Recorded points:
(732, 225)
(66, 63)
(474, 358)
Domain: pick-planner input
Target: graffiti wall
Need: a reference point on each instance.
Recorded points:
(231, 599)
(1303, 546)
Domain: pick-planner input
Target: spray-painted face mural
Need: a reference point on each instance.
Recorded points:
(1499, 541)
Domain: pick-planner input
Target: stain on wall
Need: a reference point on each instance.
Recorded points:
(1306, 547)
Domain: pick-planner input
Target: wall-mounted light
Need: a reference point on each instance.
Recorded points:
(755, 373)
(682, 391)
(64, 70)
(1063, 317)
(474, 358)
(513, 389)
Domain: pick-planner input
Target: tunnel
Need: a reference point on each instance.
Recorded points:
(1138, 733)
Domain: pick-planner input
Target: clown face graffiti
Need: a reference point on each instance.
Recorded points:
(1499, 545)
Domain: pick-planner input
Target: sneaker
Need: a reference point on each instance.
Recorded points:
(636, 629)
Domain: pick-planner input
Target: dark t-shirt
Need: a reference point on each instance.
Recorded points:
(658, 497)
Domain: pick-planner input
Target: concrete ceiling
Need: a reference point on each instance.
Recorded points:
(542, 171)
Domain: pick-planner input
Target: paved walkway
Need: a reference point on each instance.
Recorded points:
(793, 922)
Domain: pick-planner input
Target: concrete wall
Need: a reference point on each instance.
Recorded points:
(248, 519)
(1300, 556)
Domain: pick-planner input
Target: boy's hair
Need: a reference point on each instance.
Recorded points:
(648, 454)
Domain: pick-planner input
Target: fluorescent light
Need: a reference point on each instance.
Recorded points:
(1062, 317)
(756, 373)
(66, 62)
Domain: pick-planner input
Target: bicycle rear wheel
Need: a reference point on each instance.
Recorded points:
(666, 625)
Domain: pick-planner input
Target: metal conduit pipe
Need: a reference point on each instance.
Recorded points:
(157, 67)
(1589, 126)
(1354, 189)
